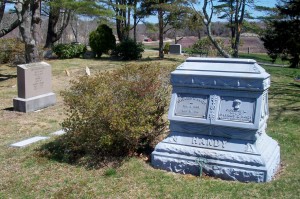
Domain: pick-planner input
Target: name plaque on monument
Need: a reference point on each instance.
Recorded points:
(34, 87)
(188, 105)
(218, 113)
(237, 109)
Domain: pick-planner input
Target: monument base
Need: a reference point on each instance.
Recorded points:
(228, 159)
(34, 103)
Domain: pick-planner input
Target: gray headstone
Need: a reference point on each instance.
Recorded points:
(175, 49)
(218, 114)
(34, 87)
(89, 55)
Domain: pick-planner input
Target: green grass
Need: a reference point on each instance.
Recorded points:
(263, 58)
(24, 174)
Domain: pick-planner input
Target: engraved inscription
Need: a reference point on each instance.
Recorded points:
(38, 82)
(209, 142)
(189, 105)
(213, 102)
(238, 110)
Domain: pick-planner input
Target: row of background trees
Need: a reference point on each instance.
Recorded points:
(125, 15)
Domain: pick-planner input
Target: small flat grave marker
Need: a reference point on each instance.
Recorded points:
(60, 132)
(29, 141)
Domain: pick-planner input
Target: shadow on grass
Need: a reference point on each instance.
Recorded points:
(8, 109)
(257, 57)
(143, 59)
(286, 97)
(59, 150)
(6, 77)
(160, 59)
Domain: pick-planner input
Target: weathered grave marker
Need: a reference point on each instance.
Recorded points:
(218, 113)
(175, 49)
(34, 87)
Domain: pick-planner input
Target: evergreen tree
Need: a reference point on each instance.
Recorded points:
(102, 40)
(281, 38)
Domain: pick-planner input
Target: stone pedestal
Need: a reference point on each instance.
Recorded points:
(218, 115)
(34, 87)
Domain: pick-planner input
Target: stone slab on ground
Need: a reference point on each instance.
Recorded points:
(29, 141)
(60, 132)
(34, 103)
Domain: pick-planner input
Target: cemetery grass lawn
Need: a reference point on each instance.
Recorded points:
(23, 174)
(263, 58)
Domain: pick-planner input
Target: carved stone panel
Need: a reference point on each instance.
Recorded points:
(189, 105)
(237, 109)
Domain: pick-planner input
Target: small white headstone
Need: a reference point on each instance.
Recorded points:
(67, 73)
(87, 71)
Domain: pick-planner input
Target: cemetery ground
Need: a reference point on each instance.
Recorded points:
(25, 174)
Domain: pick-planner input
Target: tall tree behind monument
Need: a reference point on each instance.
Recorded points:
(281, 38)
(206, 16)
(30, 29)
(166, 11)
(11, 26)
(234, 11)
(64, 10)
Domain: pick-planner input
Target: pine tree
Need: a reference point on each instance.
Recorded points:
(281, 38)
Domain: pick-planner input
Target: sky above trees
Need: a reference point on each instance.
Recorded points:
(153, 19)
(267, 3)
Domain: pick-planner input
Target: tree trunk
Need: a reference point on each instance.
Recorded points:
(119, 31)
(74, 27)
(207, 22)
(36, 22)
(29, 30)
(239, 17)
(161, 33)
(215, 43)
(2, 9)
(134, 20)
(17, 22)
(52, 35)
(53, 19)
(199, 34)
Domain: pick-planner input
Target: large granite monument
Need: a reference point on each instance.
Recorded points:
(218, 116)
(34, 87)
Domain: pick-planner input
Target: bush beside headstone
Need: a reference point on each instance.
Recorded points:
(115, 113)
(67, 51)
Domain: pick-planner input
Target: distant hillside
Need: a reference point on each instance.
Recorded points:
(254, 44)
